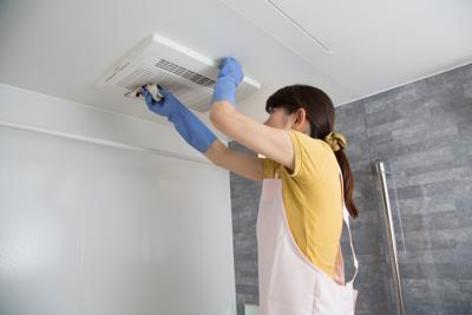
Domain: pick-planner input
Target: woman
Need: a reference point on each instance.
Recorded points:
(304, 193)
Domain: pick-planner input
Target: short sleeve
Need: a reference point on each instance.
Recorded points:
(311, 156)
(268, 167)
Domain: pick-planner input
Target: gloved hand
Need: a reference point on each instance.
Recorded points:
(187, 124)
(229, 76)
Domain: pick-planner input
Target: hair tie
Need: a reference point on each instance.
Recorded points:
(336, 141)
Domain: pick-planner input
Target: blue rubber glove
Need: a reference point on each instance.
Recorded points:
(229, 76)
(187, 124)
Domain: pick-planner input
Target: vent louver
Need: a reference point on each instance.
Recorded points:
(185, 73)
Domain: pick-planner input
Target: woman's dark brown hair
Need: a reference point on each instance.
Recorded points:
(320, 113)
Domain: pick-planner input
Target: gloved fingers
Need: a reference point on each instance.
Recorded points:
(222, 63)
(146, 94)
(163, 91)
(223, 66)
(148, 98)
(229, 66)
(225, 61)
(144, 90)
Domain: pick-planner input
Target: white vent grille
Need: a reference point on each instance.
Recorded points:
(189, 75)
(185, 73)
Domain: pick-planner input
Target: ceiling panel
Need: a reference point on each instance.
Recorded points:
(369, 46)
(349, 49)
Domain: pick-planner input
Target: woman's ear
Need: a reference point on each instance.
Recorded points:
(300, 116)
(301, 122)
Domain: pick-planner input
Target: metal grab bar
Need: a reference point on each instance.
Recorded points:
(391, 240)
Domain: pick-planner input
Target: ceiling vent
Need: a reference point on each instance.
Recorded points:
(189, 75)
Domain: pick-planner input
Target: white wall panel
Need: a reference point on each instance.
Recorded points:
(87, 228)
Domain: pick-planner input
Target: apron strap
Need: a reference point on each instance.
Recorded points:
(346, 220)
(339, 268)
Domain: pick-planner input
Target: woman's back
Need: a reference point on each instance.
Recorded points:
(312, 199)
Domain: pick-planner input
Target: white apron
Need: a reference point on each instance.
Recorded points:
(289, 283)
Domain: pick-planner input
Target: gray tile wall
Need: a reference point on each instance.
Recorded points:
(423, 132)
(244, 203)
(374, 295)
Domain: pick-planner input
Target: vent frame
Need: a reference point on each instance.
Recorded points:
(189, 75)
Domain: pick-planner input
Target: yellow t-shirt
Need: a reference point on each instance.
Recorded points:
(312, 199)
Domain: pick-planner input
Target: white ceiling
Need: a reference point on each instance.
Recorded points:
(61, 47)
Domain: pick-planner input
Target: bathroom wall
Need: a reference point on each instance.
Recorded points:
(102, 213)
(422, 131)
(244, 203)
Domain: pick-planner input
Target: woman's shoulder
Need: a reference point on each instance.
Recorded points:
(312, 157)
(309, 142)
(311, 154)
